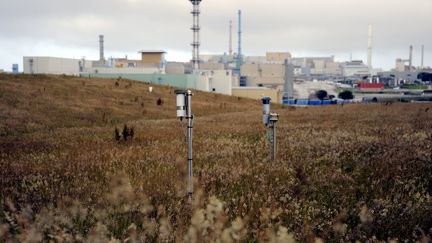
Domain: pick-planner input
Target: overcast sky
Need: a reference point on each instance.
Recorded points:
(67, 28)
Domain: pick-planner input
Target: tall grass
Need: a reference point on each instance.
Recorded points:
(360, 172)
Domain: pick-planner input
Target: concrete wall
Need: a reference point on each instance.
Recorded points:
(257, 93)
(202, 83)
(108, 70)
(51, 65)
(219, 80)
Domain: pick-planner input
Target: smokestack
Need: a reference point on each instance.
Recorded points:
(289, 81)
(410, 58)
(101, 48)
(370, 38)
(422, 57)
(230, 38)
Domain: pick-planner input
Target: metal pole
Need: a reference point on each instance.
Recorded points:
(274, 141)
(189, 137)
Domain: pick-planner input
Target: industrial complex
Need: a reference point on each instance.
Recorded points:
(279, 75)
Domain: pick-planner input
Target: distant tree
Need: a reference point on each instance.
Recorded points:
(346, 95)
(425, 76)
(321, 94)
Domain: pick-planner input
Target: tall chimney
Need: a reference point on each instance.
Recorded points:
(101, 48)
(411, 58)
(289, 81)
(422, 57)
(370, 38)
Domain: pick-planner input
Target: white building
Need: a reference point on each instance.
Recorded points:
(51, 65)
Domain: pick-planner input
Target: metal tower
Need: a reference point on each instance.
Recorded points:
(239, 52)
(196, 35)
(230, 38)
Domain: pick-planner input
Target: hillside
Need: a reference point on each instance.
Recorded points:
(343, 173)
(33, 103)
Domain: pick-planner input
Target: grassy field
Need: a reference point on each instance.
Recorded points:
(357, 172)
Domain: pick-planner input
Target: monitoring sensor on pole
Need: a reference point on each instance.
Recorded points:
(269, 120)
(184, 111)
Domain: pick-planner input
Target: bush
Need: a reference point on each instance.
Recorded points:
(346, 95)
(321, 94)
(128, 133)
(159, 102)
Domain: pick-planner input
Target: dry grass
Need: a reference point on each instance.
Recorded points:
(360, 172)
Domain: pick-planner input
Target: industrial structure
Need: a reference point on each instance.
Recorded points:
(277, 74)
(239, 59)
(422, 57)
(400, 63)
(410, 67)
(15, 68)
(196, 34)
(101, 49)
(230, 51)
(370, 39)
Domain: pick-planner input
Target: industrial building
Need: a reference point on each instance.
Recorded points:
(355, 69)
(152, 67)
(273, 74)
(51, 65)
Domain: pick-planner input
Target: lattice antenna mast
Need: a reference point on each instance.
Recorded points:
(196, 34)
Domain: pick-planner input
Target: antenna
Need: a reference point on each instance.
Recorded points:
(239, 52)
(270, 119)
(230, 38)
(196, 34)
(184, 110)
